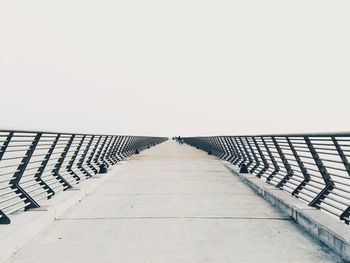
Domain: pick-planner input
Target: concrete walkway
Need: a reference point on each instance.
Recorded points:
(173, 203)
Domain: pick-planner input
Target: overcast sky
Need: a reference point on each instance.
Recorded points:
(175, 67)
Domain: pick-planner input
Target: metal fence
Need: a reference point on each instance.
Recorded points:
(312, 167)
(35, 166)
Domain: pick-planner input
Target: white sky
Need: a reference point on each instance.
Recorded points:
(175, 67)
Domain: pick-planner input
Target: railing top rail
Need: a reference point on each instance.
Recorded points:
(315, 134)
(75, 133)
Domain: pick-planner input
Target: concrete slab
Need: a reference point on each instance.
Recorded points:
(173, 241)
(176, 205)
(173, 203)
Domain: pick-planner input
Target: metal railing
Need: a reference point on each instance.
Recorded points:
(314, 168)
(35, 166)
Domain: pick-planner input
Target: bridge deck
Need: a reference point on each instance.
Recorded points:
(173, 203)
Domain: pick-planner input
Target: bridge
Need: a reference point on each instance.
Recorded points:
(107, 198)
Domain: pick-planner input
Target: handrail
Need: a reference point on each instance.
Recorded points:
(313, 167)
(36, 165)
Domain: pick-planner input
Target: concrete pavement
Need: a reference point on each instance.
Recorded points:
(173, 203)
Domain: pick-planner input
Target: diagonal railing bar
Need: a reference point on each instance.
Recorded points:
(120, 148)
(285, 163)
(346, 214)
(243, 158)
(38, 175)
(92, 154)
(108, 151)
(5, 144)
(14, 183)
(114, 155)
(254, 155)
(58, 166)
(237, 152)
(72, 160)
(98, 160)
(301, 165)
(262, 156)
(83, 158)
(324, 173)
(231, 154)
(273, 161)
(249, 159)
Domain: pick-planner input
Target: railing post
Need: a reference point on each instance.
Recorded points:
(115, 154)
(72, 160)
(223, 147)
(272, 158)
(109, 153)
(342, 155)
(257, 161)
(212, 148)
(14, 183)
(285, 163)
(232, 150)
(121, 148)
(126, 147)
(238, 153)
(4, 219)
(96, 159)
(244, 159)
(92, 155)
(231, 153)
(262, 156)
(128, 144)
(245, 150)
(302, 169)
(59, 163)
(83, 157)
(324, 173)
(42, 167)
(208, 146)
(5, 144)
(346, 164)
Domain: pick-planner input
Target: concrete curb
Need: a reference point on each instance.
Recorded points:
(327, 229)
(26, 226)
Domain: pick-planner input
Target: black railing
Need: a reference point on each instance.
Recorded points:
(34, 166)
(312, 167)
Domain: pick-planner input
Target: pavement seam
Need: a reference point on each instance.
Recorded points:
(205, 194)
(175, 217)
